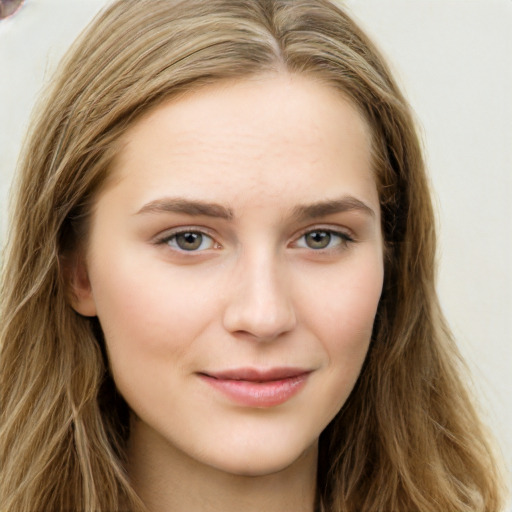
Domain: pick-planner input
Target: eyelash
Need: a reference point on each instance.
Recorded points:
(344, 239)
(169, 237)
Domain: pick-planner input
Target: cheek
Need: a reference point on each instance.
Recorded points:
(151, 318)
(150, 312)
(346, 300)
(343, 319)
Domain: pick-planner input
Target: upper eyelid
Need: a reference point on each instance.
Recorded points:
(337, 233)
(170, 232)
(166, 236)
(323, 227)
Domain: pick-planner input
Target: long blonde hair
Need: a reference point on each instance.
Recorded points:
(408, 438)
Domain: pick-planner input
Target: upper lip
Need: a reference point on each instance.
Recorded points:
(257, 374)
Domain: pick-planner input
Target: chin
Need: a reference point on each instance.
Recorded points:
(263, 461)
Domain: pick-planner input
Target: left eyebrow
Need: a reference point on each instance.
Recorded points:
(330, 207)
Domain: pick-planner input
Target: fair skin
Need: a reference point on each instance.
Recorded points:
(235, 264)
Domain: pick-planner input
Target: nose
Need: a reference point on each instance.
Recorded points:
(259, 303)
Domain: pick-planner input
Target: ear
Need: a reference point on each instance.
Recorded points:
(78, 285)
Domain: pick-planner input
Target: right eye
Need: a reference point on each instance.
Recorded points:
(189, 241)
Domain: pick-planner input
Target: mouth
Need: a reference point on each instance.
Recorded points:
(253, 387)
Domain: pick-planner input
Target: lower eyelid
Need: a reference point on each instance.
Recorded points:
(344, 237)
(167, 237)
(205, 240)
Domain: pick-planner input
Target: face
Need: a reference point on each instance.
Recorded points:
(235, 264)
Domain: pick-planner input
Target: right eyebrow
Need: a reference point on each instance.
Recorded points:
(188, 207)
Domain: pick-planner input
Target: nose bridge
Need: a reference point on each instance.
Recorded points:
(260, 302)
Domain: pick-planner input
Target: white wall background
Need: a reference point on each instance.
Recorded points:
(454, 60)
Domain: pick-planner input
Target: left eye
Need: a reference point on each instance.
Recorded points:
(190, 241)
(322, 239)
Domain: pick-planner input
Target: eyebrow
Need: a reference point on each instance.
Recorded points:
(188, 207)
(301, 212)
(330, 207)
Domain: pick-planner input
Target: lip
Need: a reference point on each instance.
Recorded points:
(260, 388)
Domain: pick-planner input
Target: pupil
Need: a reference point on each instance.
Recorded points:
(189, 241)
(318, 239)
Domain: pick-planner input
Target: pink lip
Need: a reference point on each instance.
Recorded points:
(258, 388)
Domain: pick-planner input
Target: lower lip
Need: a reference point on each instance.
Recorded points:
(259, 394)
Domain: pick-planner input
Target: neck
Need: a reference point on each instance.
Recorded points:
(168, 480)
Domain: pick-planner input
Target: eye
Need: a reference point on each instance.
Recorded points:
(320, 239)
(189, 241)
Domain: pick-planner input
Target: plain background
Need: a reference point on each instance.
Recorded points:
(453, 58)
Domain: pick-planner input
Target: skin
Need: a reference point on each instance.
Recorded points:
(258, 291)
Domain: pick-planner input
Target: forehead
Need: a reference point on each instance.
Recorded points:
(270, 135)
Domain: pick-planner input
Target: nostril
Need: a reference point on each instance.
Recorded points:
(259, 305)
(257, 324)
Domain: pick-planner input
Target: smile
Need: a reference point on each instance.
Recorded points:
(258, 388)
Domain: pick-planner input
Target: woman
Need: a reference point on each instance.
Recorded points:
(219, 290)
